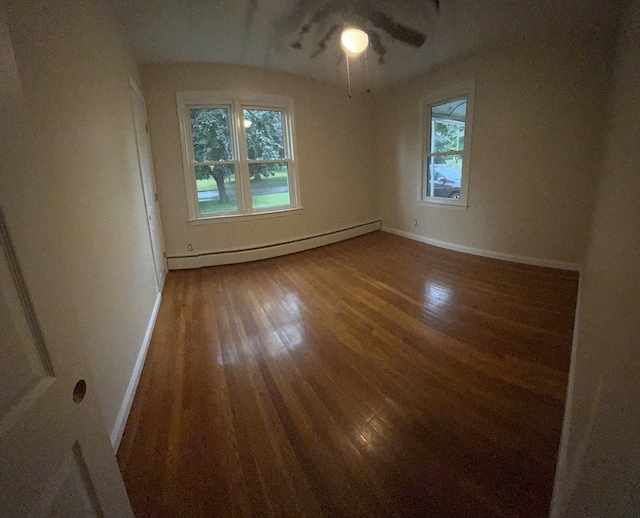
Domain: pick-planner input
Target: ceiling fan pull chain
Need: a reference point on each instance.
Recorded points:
(366, 67)
(349, 76)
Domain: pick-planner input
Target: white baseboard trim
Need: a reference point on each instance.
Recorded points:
(272, 250)
(125, 408)
(535, 261)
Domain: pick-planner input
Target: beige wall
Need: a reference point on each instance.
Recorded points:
(534, 158)
(536, 155)
(599, 467)
(82, 210)
(334, 149)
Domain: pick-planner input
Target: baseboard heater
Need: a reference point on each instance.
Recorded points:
(271, 250)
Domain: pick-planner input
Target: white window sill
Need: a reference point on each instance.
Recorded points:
(206, 220)
(444, 203)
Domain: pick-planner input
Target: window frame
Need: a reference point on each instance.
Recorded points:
(461, 90)
(236, 104)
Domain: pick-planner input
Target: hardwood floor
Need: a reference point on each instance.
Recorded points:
(375, 377)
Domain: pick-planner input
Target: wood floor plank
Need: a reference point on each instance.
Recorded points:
(374, 377)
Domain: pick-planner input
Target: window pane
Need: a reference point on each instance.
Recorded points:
(216, 186)
(444, 174)
(265, 137)
(447, 126)
(211, 134)
(269, 185)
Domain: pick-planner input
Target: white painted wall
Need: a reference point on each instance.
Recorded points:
(538, 123)
(334, 148)
(75, 72)
(599, 464)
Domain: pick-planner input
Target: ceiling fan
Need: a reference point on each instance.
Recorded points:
(373, 17)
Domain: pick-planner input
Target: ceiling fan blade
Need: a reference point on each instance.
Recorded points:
(376, 44)
(321, 14)
(397, 31)
(436, 3)
(322, 44)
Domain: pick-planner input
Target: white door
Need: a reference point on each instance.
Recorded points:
(55, 455)
(148, 184)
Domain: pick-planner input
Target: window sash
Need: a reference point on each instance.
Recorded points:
(426, 195)
(286, 135)
(221, 213)
(445, 153)
(269, 161)
(221, 162)
(464, 90)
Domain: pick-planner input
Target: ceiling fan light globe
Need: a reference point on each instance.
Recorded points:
(354, 40)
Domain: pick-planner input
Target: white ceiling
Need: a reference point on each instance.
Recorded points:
(259, 32)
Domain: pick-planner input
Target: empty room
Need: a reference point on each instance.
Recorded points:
(320, 258)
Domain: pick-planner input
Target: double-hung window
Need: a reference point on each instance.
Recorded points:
(447, 120)
(238, 154)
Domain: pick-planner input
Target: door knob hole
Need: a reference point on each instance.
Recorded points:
(79, 391)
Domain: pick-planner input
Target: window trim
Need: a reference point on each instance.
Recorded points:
(463, 89)
(236, 103)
